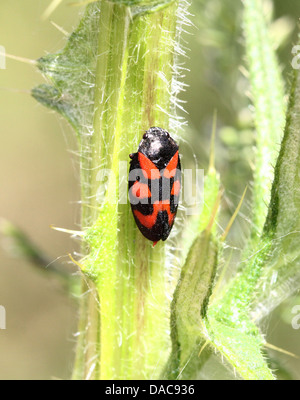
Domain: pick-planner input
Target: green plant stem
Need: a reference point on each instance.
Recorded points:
(125, 310)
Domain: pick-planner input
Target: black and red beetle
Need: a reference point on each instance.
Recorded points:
(154, 184)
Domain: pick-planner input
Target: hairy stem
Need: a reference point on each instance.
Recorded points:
(127, 306)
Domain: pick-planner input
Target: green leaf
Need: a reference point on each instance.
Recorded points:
(283, 220)
(189, 306)
(71, 73)
(229, 326)
(242, 350)
(267, 94)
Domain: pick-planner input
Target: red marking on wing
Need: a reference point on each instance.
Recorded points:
(150, 171)
(176, 188)
(149, 220)
(141, 190)
(170, 170)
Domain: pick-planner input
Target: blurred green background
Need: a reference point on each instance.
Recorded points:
(39, 177)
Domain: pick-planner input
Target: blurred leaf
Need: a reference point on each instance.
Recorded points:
(18, 243)
(283, 221)
(281, 30)
(267, 91)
